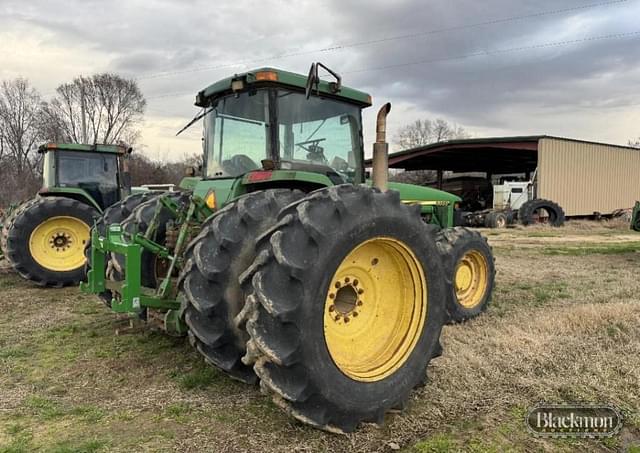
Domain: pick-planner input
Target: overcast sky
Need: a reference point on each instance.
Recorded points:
(495, 67)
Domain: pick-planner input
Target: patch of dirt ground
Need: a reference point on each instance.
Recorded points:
(563, 326)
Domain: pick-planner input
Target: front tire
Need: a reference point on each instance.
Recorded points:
(346, 306)
(47, 238)
(470, 271)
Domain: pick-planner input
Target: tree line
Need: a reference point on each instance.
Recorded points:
(104, 108)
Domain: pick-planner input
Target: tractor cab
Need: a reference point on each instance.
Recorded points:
(268, 120)
(93, 174)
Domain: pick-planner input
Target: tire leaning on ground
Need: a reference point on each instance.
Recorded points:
(346, 306)
(209, 284)
(115, 213)
(470, 272)
(529, 212)
(47, 238)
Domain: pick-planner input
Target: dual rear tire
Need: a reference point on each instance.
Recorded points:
(336, 304)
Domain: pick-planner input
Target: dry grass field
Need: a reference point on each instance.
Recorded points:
(564, 325)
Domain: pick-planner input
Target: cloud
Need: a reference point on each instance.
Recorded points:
(465, 70)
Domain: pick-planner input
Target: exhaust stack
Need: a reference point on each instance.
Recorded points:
(381, 150)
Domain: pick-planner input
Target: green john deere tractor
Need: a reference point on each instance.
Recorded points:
(635, 217)
(44, 238)
(284, 265)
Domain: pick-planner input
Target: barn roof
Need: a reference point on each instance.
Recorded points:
(492, 154)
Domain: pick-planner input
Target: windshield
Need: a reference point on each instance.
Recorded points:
(74, 169)
(316, 134)
(319, 134)
(236, 134)
(96, 173)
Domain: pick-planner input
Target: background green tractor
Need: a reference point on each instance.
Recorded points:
(635, 217)
(284, 264)
(44, 238)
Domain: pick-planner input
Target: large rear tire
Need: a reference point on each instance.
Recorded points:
(210, 282)
(346, 306)
(47, 238)
(470, 271)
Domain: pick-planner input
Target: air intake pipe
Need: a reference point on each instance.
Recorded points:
(381, 150)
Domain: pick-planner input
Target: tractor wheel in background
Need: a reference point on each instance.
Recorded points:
(6, 224)
(496, 219)
(209, 284)
(46, 240)
(153, 269)
(636, 223)
(115, 213)
(541, 211)
(470, 272)
(346, 306)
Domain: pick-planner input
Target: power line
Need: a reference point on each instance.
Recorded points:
(472, 55)
(501, 51)
(381, 40)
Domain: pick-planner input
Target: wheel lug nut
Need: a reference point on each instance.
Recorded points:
(355, 313)
(359, 303)
(346, 319)
(347, 279)
(331, 296)
(332, 308)
(360, 291)
(337, 318)
(338, 285)
(355, 282)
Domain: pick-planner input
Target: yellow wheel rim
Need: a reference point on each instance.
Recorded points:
(58, 243)
(471, 279)
(375, 309)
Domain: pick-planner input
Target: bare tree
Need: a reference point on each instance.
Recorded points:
(153, 171)
(424, 132)
(420, 133)
(19, 138)
(104, 108)
(19, 126)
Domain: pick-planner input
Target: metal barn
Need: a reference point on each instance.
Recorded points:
(583, 177)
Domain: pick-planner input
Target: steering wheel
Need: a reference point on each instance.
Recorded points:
(311, 143)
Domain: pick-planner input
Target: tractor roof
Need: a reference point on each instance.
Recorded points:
(113, 149)
(277, 77)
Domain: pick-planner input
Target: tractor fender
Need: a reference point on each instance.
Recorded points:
(71, 192)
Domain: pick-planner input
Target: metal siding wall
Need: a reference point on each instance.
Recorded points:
(585, 178)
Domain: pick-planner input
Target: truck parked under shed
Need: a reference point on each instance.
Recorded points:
(582, 178)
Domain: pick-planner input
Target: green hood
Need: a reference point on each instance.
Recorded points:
(411, 192)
